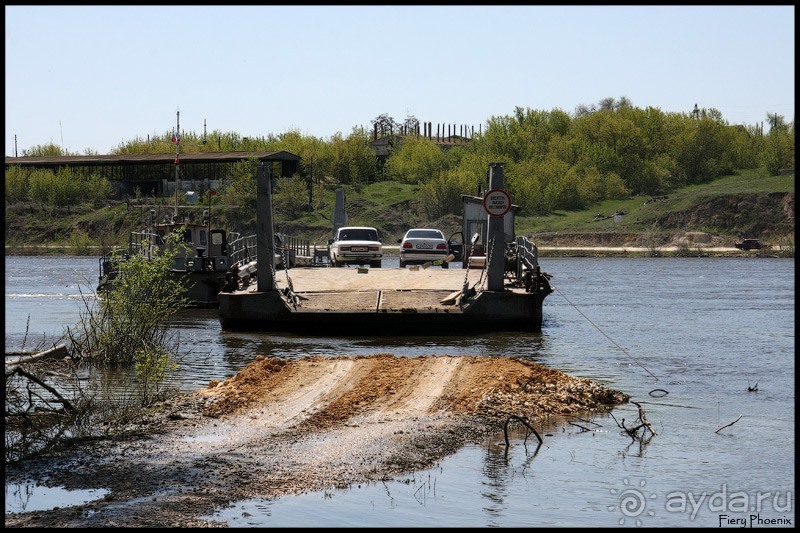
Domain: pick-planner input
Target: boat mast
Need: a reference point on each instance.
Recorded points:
(177, 140)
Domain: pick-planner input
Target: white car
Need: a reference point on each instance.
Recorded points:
(421, 245)
(356, 245)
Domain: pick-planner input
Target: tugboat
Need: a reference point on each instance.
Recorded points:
(204, 254)
(203, 258)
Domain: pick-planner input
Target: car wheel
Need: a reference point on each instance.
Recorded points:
(402, 264)
(375, 264)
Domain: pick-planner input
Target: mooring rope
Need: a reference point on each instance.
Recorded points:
(605, 334)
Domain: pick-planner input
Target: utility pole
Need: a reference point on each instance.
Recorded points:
(176, 138)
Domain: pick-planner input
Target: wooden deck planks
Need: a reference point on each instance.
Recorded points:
(316, 279)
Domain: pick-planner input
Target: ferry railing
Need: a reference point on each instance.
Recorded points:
(144, 243)
(296, 245)
(288, 249)
(109, 263)
(141, 243)
(527, 255)
(242, 250)
(528, 271)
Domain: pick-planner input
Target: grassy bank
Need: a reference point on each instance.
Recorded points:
(734, 207)
(750, 204)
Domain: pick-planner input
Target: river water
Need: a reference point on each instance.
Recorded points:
(702, 330)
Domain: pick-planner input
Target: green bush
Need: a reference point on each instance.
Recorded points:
(80, 242)
(129, 324)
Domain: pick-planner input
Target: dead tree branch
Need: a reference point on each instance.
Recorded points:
(643, 424)
(584, 428)
(530, 428)
(728, 425)
(56, 351)
(527, 425)
(58, 397)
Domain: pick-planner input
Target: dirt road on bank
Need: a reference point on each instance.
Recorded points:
(283, 427)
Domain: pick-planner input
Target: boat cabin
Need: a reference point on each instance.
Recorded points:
(200, 247)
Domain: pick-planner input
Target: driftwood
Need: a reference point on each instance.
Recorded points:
(643, 418)
(633, 432)
(644, 423)
(508, 443)
(59, 351)
(57, 395)
(728, 425)
(36, 408)
(584, 428)
(515, 417)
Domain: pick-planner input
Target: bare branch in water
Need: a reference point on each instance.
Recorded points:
(728, 425)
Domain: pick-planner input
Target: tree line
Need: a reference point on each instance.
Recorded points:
(553, 160)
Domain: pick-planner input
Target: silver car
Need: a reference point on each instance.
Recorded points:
(421, 245)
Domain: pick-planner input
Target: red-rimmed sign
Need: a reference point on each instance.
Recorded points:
(497, 202)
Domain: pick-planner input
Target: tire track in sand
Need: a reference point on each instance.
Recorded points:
(301, 395)
(400, 400)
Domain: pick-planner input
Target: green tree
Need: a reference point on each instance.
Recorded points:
(564, 192)
(524, 182)
(416, 159)
(129, 324)
(17, 185)
(700, 151)
(65, 188)
(352, 161)
(410, 125)
(316, 155)
(97, 189)
(776, 122)
(291, 197)
(778, 151)
(45, 150)
(41, 182)
(441, 195)
(384, 125)
(240, 191)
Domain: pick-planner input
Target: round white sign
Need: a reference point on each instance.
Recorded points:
(497, 202)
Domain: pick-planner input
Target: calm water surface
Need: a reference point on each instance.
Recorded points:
(702, 329)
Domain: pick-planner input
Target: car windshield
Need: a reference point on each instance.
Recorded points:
(359, 235)
(424, 234)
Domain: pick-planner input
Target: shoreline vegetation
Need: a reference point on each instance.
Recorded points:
(610, 174)
(697, 220)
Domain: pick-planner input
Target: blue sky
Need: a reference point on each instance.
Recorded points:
(87, 77)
